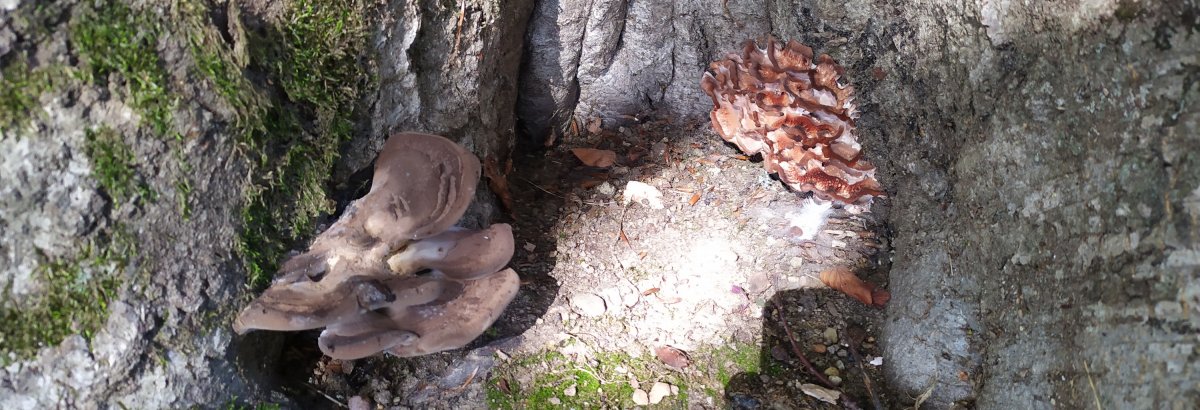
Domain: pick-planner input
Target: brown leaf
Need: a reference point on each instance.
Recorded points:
(843, 280)
(591, 157)
(574, 127)
(498, 181)
(642, 254)
(695, 198)
(593, 125)
(590, 183)
(673, 357)
(650, 291)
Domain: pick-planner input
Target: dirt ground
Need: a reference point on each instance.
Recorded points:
(618, 297)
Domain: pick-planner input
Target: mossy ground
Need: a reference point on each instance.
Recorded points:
(606, 381)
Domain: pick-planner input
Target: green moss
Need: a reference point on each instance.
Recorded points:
(74, 299)
(19, 90)
(607, 384)
(315, 58)
(114, 40)
(113, 166)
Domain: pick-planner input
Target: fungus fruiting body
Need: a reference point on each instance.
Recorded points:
(780, 102)
(392, 274)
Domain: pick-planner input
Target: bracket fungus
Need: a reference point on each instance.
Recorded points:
(392, 274)
(780, 102)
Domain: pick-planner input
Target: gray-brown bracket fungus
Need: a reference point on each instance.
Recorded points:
(781, 103)
(392, 274)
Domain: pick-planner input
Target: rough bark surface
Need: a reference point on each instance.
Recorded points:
(450, 71)
(166, 341)
(1042, 161)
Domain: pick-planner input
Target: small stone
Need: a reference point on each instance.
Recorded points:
(606, 189)
(819, 348)
(842, 353)
(554, 400)
(659, 391)
(837, 381)
(640, 397)
(832, 371)
(840, 365)
(796, 262)
(588, 304)
(529, 246)
(830, 335)
(569, 391)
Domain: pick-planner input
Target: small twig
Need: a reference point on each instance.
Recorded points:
(1095, 393)
(606, 203)
(318, 390)
(462, 14)
(796, 349)
(853, 342)
(468, 382)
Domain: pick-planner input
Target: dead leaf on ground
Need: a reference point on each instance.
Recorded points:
(695, 198)
(590, 183)
(600, 158)
(574, 127)
(625, 238)
(843, 280)
(498, 181)
(673, 357)
(593, 125)
(830, 396)
(650, 291)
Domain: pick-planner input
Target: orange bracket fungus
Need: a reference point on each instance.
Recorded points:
(780, 102)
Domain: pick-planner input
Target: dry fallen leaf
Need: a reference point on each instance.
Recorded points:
(592, 157)
(593, 125)
(843, 280)
(695, 198)
(673, 357)
(830, 396)
(650, 291)
(498, 181)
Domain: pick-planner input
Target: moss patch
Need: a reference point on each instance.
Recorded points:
(315, 57)
(74, 299)
(113, 40)
(113, 166)
(539, 381)
(19, 90)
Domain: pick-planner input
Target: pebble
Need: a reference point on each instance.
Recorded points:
(588, 304)
(606, 189)
(832, 371)
(819, 348)
(554, 400)
(837, 381)
(659, 391)
(830, 335)
(640, 397)
(842, 353)
(569, 391)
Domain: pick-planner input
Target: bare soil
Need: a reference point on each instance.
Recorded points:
(607, 283)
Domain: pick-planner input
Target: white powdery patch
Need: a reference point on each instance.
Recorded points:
(810, 218)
